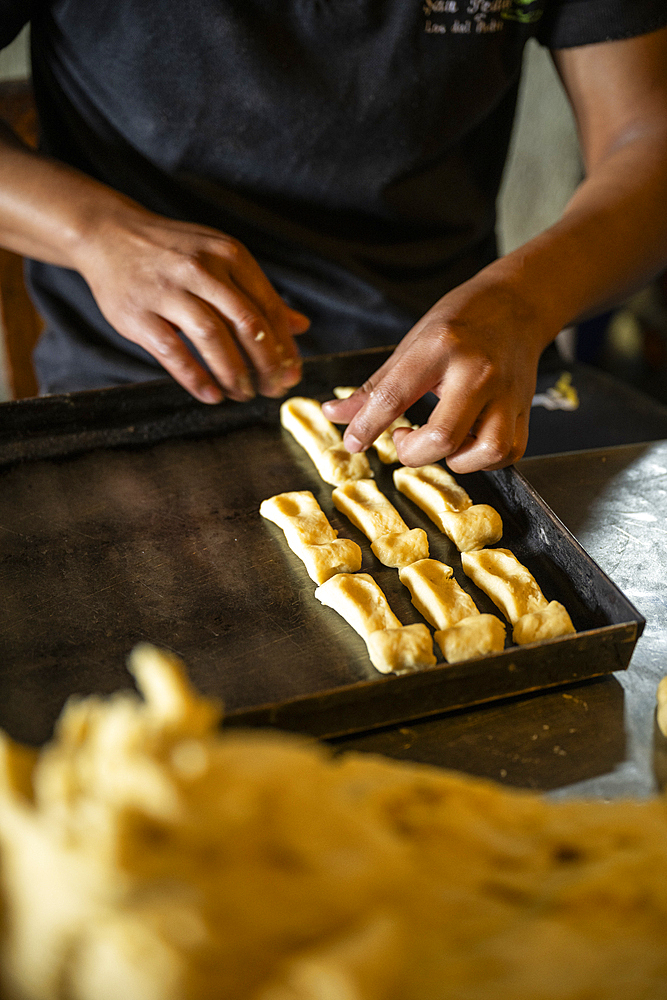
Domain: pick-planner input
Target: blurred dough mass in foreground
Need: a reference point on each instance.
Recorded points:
(147, 855)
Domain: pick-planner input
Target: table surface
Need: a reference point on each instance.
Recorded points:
(597, 739)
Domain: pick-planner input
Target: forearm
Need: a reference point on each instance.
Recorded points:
(49, 210)
(610, 241)
(478, 347)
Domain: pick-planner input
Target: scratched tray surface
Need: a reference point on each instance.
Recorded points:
(102, 547)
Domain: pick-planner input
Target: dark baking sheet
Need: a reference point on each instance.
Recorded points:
(132, 514)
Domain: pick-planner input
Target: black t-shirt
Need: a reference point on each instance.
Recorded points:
(355, 146)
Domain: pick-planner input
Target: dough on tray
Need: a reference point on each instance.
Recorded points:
(384, 444)
(477, 635)
(468, 525)
(391, 540)
(391, 646)
(513, 589)
(310, 536)
(462, 632)
(322, 441)
(549, 623)
(436, 594)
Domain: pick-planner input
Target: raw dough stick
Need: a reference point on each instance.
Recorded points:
(470, 526)
(514, 590)
(384, 444)
(304, 419)
(363, 605)
(462, 632)
(310, 536)
(470, 637)
(391, 540)
(436, 594)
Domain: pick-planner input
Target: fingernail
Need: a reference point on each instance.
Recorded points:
(276, 382)
(280, 380)
(260, 336)
(295, 374)
(210, 394)
(245, 386)
(298, 320)
(353, 444)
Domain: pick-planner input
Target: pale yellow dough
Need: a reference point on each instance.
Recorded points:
(391, 646)
(322, 441)
(384, 444)
(470, 637)
(462, 632)
(549, 623)
(513, 589)
(149, 855)
(310, 536)
(436, 594)
(508, 583)
(392, 541)
(449, 506)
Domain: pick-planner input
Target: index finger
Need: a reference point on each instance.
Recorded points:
(383, 398)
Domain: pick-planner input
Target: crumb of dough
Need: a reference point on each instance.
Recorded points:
(661, 697)
(436, 594)
(384, 444)
(322, 441)
(550, 623)
(448, 505)
(391, 646)
(310, 536)
(392, 542)
(470, 637)
(280, 872)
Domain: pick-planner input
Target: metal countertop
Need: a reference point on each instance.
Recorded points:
(597, 739)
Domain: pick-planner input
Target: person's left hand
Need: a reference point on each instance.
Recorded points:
(477, 349)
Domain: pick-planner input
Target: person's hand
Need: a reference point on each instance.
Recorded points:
(155, 279)
(477, 349)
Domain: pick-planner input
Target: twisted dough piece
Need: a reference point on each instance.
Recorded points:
(310, 536)
(468, 525)
(391, 646)
(463, 633)
(514, 590)
(391, 540)
(322, 441)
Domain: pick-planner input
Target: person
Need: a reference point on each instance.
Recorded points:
(219, 181)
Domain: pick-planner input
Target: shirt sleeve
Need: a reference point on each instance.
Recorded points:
(583, 22)
(14, 15)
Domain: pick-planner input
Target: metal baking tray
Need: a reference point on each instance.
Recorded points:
(131, 514)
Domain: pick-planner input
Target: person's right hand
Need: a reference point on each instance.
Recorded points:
(153, 278)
